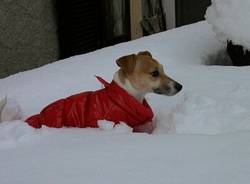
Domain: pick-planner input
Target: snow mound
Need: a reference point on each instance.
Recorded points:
(105, 125)
(230, 20)
(10, 110)
(110, 126)
(17, 132)
(195, 114)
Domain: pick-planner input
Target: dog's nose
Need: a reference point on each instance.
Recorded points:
(178, 86)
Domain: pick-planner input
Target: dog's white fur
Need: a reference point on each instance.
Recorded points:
(129, 88)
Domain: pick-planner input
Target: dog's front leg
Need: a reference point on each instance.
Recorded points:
(146, 128)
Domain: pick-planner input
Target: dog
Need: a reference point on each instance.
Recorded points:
(122, 100)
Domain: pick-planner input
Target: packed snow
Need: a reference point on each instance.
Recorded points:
(231, 21)
(202, 134)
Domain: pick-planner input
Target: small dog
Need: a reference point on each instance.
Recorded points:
(122, 100)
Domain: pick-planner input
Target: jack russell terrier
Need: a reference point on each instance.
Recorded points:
(122, 100)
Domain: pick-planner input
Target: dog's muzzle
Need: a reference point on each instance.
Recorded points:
(171, 89)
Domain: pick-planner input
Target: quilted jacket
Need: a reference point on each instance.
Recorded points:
(112, 103)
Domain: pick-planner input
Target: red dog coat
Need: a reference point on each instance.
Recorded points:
(112, 103)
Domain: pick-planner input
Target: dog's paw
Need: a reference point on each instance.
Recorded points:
(146, 128)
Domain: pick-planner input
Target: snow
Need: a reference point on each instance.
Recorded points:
(230, 20)
(110, 126)
(202, 134)
(10, 110)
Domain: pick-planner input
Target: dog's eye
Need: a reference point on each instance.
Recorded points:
(155, 73)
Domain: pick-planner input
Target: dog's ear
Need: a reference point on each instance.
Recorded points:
(127, 63)
(145, 53)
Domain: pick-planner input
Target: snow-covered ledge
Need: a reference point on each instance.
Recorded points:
(230, 20)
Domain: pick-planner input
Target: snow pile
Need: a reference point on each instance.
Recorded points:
(10, 109)
(196, 114)
(231, 20)
(110, 126)
(15, 133)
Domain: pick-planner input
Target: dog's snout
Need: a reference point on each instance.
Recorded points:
(178, 86)
(171, 89)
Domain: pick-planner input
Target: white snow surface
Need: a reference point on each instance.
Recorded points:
(202, 134)
(231, 21)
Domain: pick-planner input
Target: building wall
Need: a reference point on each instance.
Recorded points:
(28, 35)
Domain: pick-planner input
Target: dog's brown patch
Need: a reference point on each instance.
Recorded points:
(127, 63)
(145, 74)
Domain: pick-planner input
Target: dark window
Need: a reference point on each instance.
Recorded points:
(87, 25)
(190, 11)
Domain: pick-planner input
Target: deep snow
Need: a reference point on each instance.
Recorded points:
(230, 20)
(202, 134)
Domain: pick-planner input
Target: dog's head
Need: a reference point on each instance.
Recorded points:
(147, 75)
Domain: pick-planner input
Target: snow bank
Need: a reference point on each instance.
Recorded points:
(87, 156)
(196, 114)
(230, 20)
(209, 120)
(16, 133)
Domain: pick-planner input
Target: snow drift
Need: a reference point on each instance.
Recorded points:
(231, 21)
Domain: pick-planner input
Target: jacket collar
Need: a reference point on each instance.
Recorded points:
(141, 112)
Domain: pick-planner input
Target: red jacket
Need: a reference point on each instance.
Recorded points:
(82, 110)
